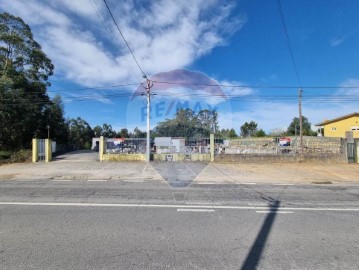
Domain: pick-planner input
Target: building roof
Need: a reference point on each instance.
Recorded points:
(326, 122)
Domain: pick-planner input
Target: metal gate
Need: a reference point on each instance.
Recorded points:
(351, 152)
(41, 150)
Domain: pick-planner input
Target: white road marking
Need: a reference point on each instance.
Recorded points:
(283, 184)
(61, 180)
(96, 180)
(274, 212)
(144, 168)
(195, 210)
(248, 183)
(224, 207)
(258, 204)
(102, 168)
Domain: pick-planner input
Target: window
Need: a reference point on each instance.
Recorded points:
(333, 128)
(355, 128)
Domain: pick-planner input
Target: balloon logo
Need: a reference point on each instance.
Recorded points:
(174, 90)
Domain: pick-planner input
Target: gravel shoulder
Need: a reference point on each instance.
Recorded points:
(87, 168)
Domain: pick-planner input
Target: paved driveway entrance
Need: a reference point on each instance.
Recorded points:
(81, 155)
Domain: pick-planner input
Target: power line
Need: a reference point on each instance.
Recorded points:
(288, 41)
(255, 86)
(95, 87)
(123, 37)
(251, 98)
(112, 37)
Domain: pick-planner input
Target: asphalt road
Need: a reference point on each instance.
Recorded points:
(153, 225)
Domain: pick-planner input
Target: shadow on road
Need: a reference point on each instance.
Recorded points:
(254, 256)
(179, 174)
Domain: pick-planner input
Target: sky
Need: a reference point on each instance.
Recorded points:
(239, 45)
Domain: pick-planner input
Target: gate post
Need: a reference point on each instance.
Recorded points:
(35, 152)
(48, 150)
(356, 147)
(101, 148)
(211, 143)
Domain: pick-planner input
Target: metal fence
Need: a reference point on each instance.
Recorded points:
(171, 145)
(126, 146)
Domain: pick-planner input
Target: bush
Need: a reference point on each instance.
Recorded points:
(87, 146)
(22, 155)
(5, 155)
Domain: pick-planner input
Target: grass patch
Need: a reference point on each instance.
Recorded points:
(20, 156)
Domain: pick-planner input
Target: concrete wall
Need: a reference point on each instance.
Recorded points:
(123, 157)
(250, 158)
(182, 157)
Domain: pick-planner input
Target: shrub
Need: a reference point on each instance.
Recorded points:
(5, 155)
(22, 155)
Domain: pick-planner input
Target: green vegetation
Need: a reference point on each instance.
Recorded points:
(189, 124)
(24, 73)
(293, 128)
(15, 157)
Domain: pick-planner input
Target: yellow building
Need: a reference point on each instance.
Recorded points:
(339, 126)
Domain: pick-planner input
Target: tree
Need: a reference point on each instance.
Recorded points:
(228, 133)
(81, 133)
(123, 133)
(293, 128)
(188, 124)
(249, 129)
(232, 133)
(24, 73)
(97, 131)
(137, 133)
(260, 133)
(53, 117)
(107, 131)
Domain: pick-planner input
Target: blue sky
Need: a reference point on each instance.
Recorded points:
(232, 42)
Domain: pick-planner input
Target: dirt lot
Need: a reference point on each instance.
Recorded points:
(81, 166)
(292, 173)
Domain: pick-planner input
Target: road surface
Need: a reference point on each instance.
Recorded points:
(97, 224)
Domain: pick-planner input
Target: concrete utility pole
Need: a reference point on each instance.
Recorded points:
(148, 94)
(300, 91)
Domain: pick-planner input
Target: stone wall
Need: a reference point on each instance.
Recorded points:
(255, 158)
(316, 149)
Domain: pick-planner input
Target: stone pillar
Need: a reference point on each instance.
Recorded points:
(48, 150)
(211, 139)
(35, 156)
(102, 147)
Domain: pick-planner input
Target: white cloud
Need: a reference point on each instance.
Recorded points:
(271, 115)
(163, 35)
(235, 88)
(352, 87)
(35, 13)
(334, 42)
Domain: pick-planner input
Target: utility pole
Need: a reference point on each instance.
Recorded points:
(148, 94)
(300, 91)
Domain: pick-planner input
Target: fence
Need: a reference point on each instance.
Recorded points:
(126, 146)
(162, 149)
(233, 150)
(283, 149)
